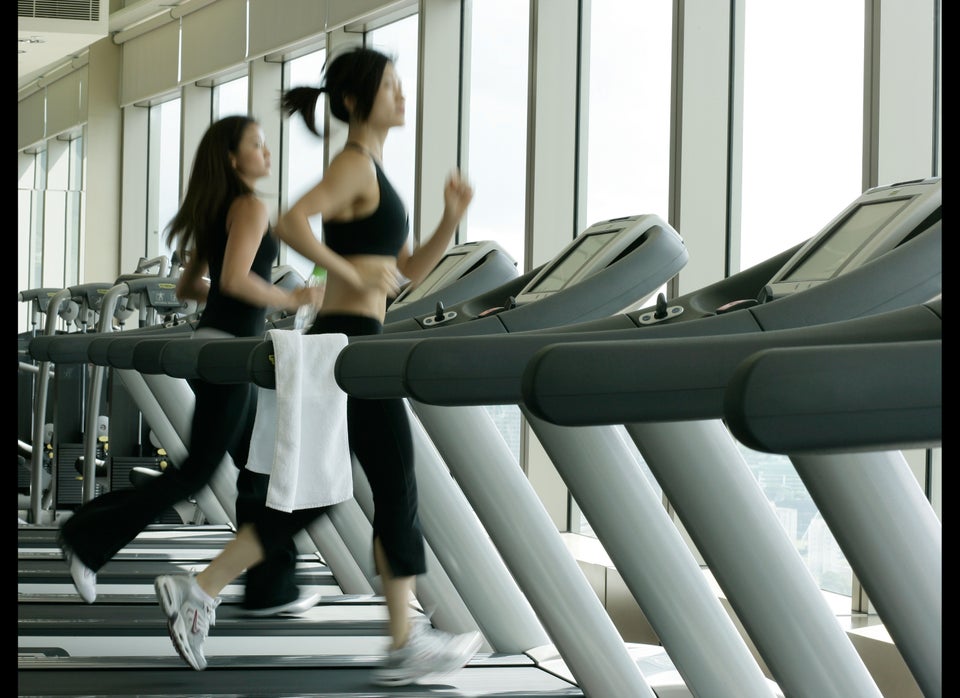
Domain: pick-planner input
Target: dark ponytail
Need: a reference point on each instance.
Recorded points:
(303, 100)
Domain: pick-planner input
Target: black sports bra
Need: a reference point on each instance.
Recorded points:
(383, 232)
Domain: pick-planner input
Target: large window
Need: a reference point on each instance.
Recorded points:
(38, 170)
(30, 228)
(24, 209)
(55, 212)
(163, 198)
(628, 109)
(802, 120)
(36, 219)
(230, 98)
(74, 213)
(497, 159)
(50, 220)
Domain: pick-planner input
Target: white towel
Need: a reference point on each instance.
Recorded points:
(300, 432)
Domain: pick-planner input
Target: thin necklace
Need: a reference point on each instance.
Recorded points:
(365, 149)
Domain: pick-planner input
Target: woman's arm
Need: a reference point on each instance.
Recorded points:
(246, 221)
(457, 195)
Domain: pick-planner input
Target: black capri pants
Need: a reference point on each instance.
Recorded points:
(380, 438)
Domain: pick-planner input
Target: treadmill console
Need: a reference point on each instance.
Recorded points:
(38, 297)
(163, 295)
(593, 250)
(875, 223)
(454, 264)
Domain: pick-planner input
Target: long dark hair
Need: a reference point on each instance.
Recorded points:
(356, 73)
(214, 184)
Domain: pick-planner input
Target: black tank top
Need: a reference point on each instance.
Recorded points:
(383, 232)
(226, 313)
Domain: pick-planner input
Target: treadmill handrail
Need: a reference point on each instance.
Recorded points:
(838, 399)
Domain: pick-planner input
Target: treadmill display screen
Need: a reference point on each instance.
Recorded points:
(573, 261)
(164, 295)
(838, 246)
(439, 271)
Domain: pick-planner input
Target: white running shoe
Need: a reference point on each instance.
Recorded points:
(84, 578)
(428, 651)
(189, 617)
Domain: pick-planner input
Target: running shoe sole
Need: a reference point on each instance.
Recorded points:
(171, 602)
(181, 642)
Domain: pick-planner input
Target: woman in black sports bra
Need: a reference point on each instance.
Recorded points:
(365, 252)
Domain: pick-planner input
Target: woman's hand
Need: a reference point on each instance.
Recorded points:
(380, 273)
(457, 195)
(315, 294)
(307, 295)
(192, 284)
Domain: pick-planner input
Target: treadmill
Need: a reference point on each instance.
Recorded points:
(882, 253)
(79, 304)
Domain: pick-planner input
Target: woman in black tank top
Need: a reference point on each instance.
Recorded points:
(365, 251)
(220, 219)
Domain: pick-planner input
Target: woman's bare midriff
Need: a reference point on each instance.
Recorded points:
(340, 298)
